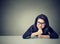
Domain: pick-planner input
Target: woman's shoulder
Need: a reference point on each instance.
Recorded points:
(50, 29)
(32, 26)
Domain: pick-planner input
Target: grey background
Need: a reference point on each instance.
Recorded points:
(16, 16)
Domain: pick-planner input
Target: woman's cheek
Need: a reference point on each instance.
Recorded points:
(39, 27)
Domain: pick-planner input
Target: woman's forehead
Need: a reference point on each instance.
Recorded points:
(40, 20)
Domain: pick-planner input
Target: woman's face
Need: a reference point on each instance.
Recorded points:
(40, 23)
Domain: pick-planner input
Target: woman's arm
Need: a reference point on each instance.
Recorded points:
(52, 33)
(28, 33)
(43, 36)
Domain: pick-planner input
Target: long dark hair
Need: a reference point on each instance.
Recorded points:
(44, 17)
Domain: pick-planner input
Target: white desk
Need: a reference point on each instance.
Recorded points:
(20, 40)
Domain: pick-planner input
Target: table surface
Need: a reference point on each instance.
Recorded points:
(20, 40)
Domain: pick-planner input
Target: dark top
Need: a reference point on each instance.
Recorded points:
(33, 29)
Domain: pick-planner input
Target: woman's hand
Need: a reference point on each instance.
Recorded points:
(39, 32)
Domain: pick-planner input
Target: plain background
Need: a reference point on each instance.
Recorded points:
(16, 16)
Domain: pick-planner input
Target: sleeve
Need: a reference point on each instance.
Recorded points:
(53, 34)
(28, 33)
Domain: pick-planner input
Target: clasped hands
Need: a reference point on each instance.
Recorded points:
(39, 34)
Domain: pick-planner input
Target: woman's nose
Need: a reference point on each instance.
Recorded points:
(40, 25)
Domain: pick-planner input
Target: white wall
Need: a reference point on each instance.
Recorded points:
(18, 16)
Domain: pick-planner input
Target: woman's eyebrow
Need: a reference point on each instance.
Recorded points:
(41, 22)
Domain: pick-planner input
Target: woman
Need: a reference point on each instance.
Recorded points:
(40, 28)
